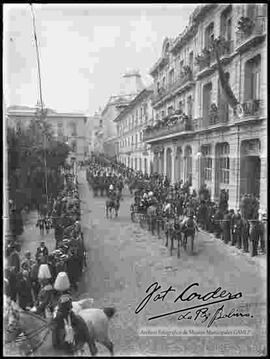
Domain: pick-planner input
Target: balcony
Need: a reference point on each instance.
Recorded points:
(217, 117)
(178, 83)
(168, 126)
(252, 108)
(207, 58)
(250, 32)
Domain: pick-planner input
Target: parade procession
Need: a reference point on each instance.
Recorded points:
(135, 218)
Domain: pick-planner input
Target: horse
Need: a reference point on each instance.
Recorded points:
(36, 340)
(110, 205)
(151, 214)
(189, 231)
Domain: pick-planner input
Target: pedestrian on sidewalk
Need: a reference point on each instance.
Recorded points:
(34, 279)
(28, 262)
(42, 250)
(14, 258)
(11, 276)
(24, 287)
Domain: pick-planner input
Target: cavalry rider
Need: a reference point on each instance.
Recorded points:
(190, 222)
(70, 332)
(112, 193)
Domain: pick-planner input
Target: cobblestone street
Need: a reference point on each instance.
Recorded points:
(123, 260)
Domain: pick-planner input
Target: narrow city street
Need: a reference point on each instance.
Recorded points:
(124, 260)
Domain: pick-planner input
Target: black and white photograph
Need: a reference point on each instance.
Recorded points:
(135, 179)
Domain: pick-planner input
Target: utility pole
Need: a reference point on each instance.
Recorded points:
(42, 114)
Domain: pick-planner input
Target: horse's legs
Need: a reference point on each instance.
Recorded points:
(192, 243)
(185, 242)
(172, 238)
(108, 344)
(92, 347)
(167, 237)
(178, 246)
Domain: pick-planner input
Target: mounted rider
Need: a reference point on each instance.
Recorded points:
(189, 223)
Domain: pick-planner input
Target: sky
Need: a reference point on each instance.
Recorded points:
(84, 50)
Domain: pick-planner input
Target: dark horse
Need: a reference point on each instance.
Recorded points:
(112, 204)
(189, 229)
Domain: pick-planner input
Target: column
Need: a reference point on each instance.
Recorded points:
(173, 154)
(263, 172)
(165, 161)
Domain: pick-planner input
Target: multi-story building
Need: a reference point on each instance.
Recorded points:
(66, 127)
(130, 85)
(131, 122)
(94, 133)
(208, 142)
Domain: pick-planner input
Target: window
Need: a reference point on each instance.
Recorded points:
(209, 35)
(164, 82)
(190, 106)
(141, 114)
(207, 96)
(158, 87)
(136, 140)
(223, 107)
(170, 110)
(74, 146)
(252, 78)
(162, 114)
(206, 163)
(171, 76)
(73, 128)
(190, 60)
(226, 24)
(60, 128)
(181, 68)
(181, 106)
(137, 116)
(188, 164)
(223, 162)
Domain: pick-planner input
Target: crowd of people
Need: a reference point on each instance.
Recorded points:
(31, 278)
(245, 227)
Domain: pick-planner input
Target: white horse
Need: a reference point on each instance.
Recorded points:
(38, 342)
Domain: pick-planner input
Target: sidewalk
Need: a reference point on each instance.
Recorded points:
(31, 237)
(259, 260)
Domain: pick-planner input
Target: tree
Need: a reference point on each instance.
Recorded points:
(27, 150)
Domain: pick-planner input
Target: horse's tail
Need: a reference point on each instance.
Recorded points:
(109, 311)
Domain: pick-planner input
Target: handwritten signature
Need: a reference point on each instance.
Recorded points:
(218, 295)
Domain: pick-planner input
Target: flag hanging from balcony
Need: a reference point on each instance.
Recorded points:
(226, 88)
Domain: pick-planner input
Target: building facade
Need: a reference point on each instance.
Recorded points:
(66, 127)
(131, 122)
(197, 136)
(130, 85)
(94, 133)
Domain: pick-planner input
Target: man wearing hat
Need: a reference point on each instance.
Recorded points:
(46, 294)
(42, 251)
(28, 262)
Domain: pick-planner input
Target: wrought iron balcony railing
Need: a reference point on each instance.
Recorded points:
(178, 82)
(183, 126)
(258, 27)
(252, 107)
(208, 58)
